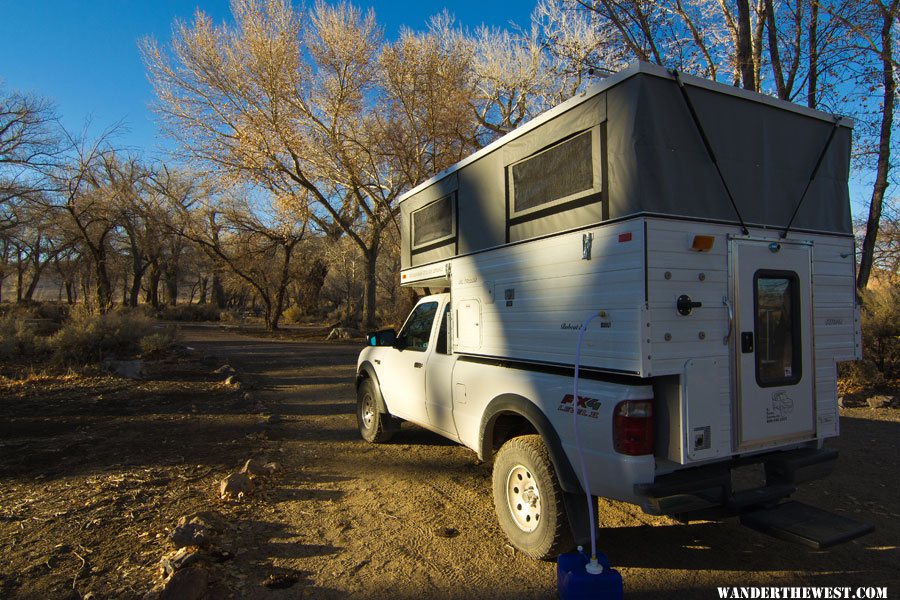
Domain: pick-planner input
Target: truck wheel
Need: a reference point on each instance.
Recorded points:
(374, 427)
(528, 499)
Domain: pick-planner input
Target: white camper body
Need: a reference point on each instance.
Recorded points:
(527, 302)
(721, 310)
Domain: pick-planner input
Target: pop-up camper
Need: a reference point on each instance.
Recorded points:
(705, 231)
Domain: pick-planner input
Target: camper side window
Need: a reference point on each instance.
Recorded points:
(555, 175)
(434, 223)
(417, 330)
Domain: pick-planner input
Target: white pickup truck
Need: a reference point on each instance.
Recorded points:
(722, 291)
(518, 415)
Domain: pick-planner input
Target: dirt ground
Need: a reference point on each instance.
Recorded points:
(96, 471)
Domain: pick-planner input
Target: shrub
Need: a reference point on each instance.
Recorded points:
(230, 316)
(880, 316)
(294, 314)
(158, 341)
(18, 340)
(190, 312)
(87, 337)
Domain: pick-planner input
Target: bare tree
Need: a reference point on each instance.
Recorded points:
(30, 143)
(259, 250)
(284, 100)
(875, 29)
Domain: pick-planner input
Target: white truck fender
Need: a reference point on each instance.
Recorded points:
(518, 407)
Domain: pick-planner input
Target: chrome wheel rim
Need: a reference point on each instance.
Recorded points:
(368, 412)
(523, 498)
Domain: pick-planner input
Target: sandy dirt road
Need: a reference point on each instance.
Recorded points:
(414, 518)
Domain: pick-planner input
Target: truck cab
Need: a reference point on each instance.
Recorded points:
(410, 365)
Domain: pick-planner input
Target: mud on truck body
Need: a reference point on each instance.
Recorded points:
(707, 230)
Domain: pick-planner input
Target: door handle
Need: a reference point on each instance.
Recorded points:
(417, 365)
(730, 319)
(746, 342)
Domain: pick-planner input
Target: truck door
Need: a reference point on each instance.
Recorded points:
(772, 343)
(403, 367)
(439, 379)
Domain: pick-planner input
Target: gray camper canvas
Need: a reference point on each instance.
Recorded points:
(631, 147)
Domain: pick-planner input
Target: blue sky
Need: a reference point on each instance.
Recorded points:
(83, 53)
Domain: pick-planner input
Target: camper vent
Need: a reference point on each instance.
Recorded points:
(556, 173)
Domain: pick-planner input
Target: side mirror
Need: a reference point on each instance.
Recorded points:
(385, 337)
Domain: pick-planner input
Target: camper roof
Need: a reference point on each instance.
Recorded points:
(614, 79)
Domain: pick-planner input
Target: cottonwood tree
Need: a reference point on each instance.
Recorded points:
(36, 241)
(252, 235)
(286, 100)
(30, 144)
(88, 186)
(875, 29)
(428, 123)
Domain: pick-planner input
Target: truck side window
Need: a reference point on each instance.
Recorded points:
(441, 342)
(417, 330)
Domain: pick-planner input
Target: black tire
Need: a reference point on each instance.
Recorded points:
(374, 427)
(528, 499)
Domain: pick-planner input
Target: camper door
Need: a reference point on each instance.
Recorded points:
(772, 342)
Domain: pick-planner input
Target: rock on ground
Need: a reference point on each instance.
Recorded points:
(880, 401)
(186, 584)
(193, 532)
(132, 369)
(254, 468)
(343, 333)
(179, 560)
(235, 486)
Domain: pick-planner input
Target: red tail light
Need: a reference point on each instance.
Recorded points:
(633, 427)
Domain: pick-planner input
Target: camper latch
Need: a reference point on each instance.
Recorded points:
(587, 240)
(685, 305)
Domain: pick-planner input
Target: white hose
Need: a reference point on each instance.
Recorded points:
(593, 566)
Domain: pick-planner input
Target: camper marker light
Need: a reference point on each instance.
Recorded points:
(703, 243)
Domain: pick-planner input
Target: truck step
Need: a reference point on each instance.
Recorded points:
(797, 522)
(741, 501)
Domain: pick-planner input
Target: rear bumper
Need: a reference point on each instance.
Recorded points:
(708, 489)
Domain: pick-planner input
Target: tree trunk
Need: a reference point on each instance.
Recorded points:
(171, 285)
(371, 287)
(204, 284)
(884, 154)
(311, 285)
(70, 297)
(104, 285)
(20, 275)
(136, 288)
(38, 270)
(745, 46)
(218, 291)
(152, 296)
(138, 268)
(813, 82)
